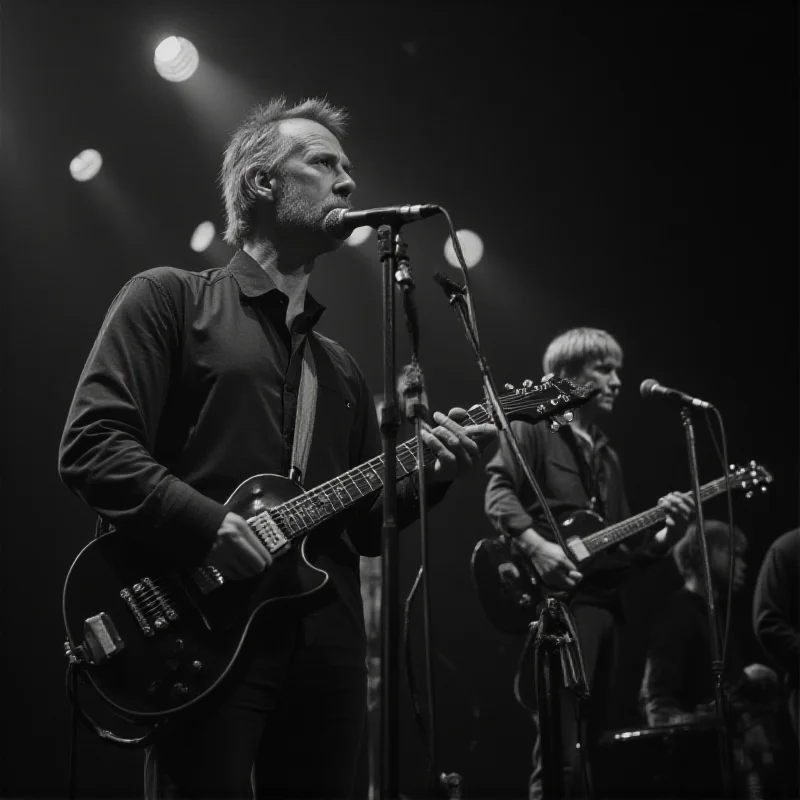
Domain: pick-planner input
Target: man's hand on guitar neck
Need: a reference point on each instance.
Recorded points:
(680, 510)
(549, 560)
(237, 552)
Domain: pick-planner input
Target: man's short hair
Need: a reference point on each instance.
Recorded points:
(687, 555)
(256, 142)
(570, 351)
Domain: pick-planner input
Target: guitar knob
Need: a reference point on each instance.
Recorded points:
(548, 377)
(749, 494)
(155, 687)
(509, 387)
(177, 646)
(763, 488)
(568, 416)
(197, 666)
(554, 425)
(527, 383)
(179, 690)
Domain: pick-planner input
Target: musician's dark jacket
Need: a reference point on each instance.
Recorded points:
(572, 476)
(776, 611)
(677, 675)
(190, 389)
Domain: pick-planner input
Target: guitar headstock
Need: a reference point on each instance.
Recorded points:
(750, 478)
(551, 399)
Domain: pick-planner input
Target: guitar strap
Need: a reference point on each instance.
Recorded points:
(306, 412)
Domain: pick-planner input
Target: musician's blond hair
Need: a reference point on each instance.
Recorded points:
(570, 351)
(257, 144)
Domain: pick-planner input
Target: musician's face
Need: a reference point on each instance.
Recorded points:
(314, 178)
(718, 561)
(604, 374)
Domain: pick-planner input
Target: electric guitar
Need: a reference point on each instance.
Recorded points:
(153, 639)
(509, 588)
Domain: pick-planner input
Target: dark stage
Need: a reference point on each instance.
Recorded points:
(628, 166)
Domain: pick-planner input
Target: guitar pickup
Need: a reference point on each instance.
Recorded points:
(102, 638)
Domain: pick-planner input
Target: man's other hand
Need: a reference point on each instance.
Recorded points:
(458, 447)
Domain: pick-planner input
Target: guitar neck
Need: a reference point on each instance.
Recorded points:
(607, 537)
(299, 515)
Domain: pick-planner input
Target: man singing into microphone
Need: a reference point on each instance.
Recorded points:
(576, 469)
(192, 387)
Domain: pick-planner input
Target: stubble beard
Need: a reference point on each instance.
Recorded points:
(298, 219)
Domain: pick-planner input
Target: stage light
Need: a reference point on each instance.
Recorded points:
(202, 237)
(85, 165)
(471, 247)
(358, 236)
(176, 59)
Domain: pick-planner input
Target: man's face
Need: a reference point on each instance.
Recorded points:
(718, 561)
(604, 374)
(314, 179)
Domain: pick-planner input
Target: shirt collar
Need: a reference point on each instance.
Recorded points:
(253, 282)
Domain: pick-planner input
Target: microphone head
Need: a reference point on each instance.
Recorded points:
(647, 386)
(335, 223)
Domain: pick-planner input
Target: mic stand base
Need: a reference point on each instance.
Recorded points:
(555, 637)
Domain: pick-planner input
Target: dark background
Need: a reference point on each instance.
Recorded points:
(631, 167)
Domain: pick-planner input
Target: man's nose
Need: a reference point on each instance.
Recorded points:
(344, 186)
(615, 380)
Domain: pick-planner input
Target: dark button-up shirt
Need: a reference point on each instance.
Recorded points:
(573, 476)
(190, 389)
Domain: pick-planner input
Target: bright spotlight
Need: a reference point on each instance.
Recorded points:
(202, 237)
(85, 165)
(471, 247)
(176, 59)
(358, 236)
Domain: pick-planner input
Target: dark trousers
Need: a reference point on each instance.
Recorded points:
(599, 634)
(289, 722)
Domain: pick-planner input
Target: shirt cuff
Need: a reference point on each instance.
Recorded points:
(189, 525)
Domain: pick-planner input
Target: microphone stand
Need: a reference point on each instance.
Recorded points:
(390, 628)
(716, 661)
(554, 632)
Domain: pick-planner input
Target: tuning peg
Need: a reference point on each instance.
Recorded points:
(554, 425)
(509, 387)
(568, 416)
(527, 383)
(749, 494)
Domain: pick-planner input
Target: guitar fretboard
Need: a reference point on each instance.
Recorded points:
(299, 515)
(622, 530)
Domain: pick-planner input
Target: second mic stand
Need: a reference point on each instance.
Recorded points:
(555, 629)
(716, 661)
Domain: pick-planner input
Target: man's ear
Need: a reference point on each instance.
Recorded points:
(260, 184)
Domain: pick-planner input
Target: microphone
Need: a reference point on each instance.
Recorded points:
(450, 286)
(651, 387)
(341, 222)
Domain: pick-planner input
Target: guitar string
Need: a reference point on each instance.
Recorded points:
(297, 504)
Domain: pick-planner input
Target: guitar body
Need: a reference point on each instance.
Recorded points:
(508, 587)
(179, 632)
